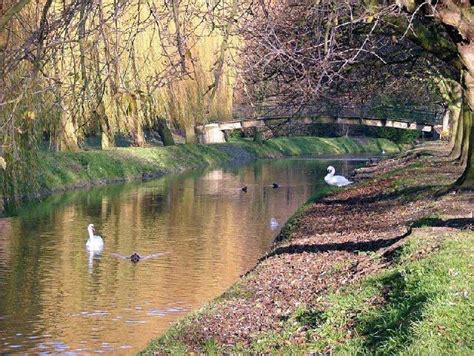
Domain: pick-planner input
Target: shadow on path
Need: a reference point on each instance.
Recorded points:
(459, 223)
(363, 246)
(406, 194)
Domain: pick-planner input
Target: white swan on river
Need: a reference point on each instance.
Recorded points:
(94, 243)
(339, 181)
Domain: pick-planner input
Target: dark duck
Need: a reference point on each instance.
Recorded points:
(135, 257)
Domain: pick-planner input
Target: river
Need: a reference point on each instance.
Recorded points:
(57, 298)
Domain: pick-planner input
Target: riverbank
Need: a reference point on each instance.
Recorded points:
(380, 267)
(57, 172)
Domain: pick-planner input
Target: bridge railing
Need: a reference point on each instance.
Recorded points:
(408, 114)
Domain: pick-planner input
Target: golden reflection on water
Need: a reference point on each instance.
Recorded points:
(54, 297)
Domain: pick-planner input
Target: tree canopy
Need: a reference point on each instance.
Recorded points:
(80, 68)
(298, 52)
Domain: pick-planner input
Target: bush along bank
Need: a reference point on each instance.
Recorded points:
(380, 267)
(56, 172)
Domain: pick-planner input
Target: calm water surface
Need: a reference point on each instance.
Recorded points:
(55, 297)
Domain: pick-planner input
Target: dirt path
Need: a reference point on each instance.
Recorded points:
(332, 244)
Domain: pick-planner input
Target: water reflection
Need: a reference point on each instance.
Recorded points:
(274, 224)
(94, 255)
(55, 296)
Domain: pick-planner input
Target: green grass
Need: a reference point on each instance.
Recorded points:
(312, 146)
(67, 170)
(420, 306)
(170, 343)
(59, 170)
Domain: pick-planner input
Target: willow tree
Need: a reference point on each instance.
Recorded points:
(105, 59)
(21, 122)
(295, 52)
(76, 68)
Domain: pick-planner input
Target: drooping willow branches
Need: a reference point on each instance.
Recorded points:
(70, 69)
(77, 68)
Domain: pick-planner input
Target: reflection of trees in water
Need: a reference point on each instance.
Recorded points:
(5, 242)
(211, 230)
(21, 285)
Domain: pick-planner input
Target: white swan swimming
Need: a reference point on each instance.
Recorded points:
(94, 243)
(339, 181)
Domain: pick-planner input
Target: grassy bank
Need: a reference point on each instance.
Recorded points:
(422, 304)
(345, 279)
(55, 172)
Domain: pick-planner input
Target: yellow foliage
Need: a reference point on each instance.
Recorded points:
(444, 135)
(107, 81)
(29, 115)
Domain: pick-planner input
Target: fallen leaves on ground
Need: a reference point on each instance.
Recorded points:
(331, 246)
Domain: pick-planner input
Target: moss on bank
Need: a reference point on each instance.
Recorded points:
(311, 146)
(64, 171)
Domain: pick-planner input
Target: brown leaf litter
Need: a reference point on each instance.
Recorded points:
(333, 244)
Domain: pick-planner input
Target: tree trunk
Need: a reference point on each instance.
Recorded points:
(451, 92)
(137, 134)
(107, 139)
(467, 54)
(136, 131)
(219, 64)
(105, 142)
(190, 135)
(105, 106)
(164, 132)
(457, 135)
(258, 137)
(67, 137)
(466, 181)
(180, 44)
(466, 135)
(446, 120)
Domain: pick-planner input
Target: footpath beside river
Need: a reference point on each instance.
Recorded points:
(57, 172)
(380, 267)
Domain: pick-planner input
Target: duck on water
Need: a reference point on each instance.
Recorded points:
(135, 257)
(95, 244)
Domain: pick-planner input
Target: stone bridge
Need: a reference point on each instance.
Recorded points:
(381, 116)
